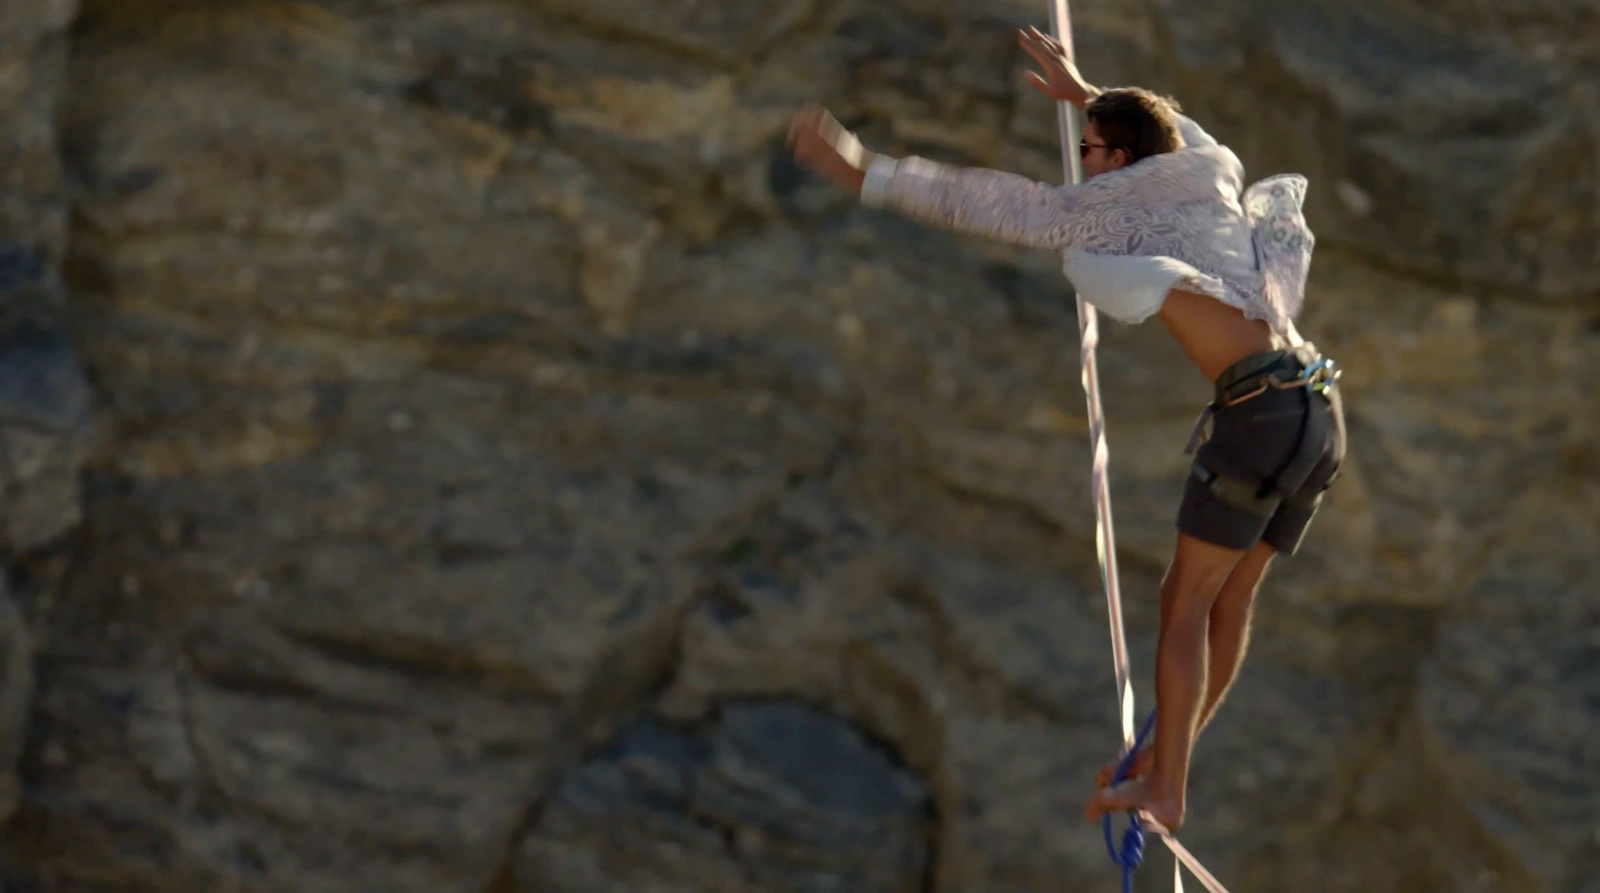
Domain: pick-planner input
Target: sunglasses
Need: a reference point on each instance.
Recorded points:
(1084, 146)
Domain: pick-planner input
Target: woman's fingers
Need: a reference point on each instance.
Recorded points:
(1042, 47)
(1035, 52)
(805, 121)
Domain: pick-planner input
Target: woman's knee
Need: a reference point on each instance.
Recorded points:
(1189, 591)
(1199, 567)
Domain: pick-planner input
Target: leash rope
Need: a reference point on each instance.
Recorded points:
(1131, 854)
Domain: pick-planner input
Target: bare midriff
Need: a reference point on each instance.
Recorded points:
(1213, 334)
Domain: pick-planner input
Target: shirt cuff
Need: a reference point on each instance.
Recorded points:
(875, 186)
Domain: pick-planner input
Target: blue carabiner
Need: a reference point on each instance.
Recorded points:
(1321, 375)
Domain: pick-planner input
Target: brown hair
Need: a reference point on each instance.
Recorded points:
(1136, 121)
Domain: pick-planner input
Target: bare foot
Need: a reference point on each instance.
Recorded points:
(1140, 794)
(1139, 769)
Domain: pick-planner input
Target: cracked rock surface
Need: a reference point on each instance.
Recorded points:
(449, 448)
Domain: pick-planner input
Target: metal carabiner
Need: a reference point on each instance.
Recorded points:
(1321, 375)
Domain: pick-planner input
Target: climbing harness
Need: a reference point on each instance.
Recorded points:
(1317, 377)
(1130, 854)
(1311, 374)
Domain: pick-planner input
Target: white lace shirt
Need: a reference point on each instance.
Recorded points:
(1187, 212)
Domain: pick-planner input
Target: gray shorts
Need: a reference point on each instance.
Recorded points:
(1261, 474)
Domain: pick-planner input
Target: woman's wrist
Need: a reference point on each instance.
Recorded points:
(876, 178)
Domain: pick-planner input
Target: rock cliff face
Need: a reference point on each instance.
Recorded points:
(448, 447)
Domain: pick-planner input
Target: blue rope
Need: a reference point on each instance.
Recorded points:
(1131, 854)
